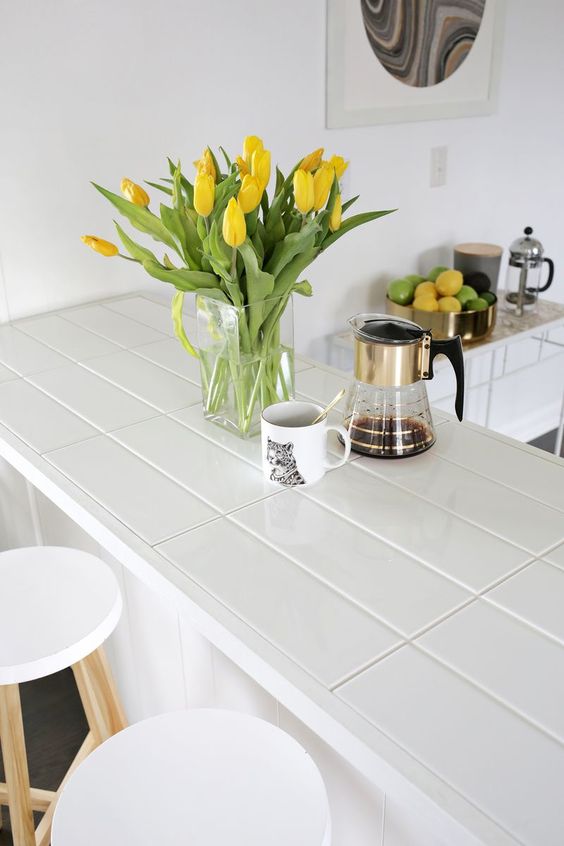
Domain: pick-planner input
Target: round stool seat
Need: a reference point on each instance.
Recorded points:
(205, 777)
(57, 606)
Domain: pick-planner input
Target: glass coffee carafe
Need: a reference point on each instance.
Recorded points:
(388, 414)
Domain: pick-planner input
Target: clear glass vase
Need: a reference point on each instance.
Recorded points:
(246, 360)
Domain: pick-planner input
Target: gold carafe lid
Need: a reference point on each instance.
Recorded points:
(389, 352)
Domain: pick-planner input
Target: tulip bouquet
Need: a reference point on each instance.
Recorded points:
(242, 253)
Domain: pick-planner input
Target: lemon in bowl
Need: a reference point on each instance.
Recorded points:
(449, 283)
(426, 302)
(449, 304)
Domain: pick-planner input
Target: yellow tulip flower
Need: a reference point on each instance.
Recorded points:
(234, 226)
(134, 193)
(335, 219)
(260, 167)
(312, 161)
(242, 165)
(250, 193)
(339, 164)
(251, 144)
(322, 182)
(204, 193)
(303, 190)
(105, 248)
(205, 164)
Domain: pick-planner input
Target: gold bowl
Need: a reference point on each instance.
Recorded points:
(470, 325)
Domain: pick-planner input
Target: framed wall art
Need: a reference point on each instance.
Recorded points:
(390, 61)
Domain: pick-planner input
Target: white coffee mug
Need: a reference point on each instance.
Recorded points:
(294, 452)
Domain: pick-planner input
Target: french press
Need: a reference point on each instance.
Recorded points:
(523, 282)
(387, 413)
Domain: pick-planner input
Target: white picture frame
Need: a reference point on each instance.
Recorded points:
(361, 92)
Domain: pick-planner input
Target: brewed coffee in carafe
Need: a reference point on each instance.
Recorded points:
(388, 413)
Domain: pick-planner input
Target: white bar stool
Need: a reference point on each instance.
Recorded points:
(57, 606)
(207, 777)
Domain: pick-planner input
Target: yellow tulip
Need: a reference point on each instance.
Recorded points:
(335, 219)
(134, 193)
(204, 193)
(105, 248)
(312, 161)
(260, 167)
(234, 226)
(205, 164)
(250, 145)
(322, 182)
(250, 193)
(339, 164)
(242, 165)
(303, 190)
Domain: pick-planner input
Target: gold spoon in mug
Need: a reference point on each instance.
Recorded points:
(328, 408)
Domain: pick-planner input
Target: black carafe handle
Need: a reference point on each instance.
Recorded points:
(452, 348)
(548, 282)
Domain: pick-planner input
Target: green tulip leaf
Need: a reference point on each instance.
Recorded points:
(352, 223)
(183, 280)
(279, 181)
(163, 188)
(304, 288)
(140, 217)
(135, 250)
(176, 311)
(291, 246)
(349, 203)
(259, 287)
(188, 187)
(183, 230)
(227, 159)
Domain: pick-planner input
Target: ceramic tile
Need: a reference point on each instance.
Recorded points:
(321, 385)
(100, 403)
(494, 758)
(446, 543)
(151, 383)
(536, 594)
(328, 636)
(144, 311)
(301, 364)
(25, 355)
(474, 498)
(556, 556)
(149, 503)
(112, 326)
(215, 475)
(398, 590)
(39, 420)
(505, 462)
(248, 450)
(171, 355)
(507, 657)
(67, 338)
(6, 375)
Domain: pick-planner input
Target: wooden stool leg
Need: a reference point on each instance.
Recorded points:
(15, 766)
(99, 697)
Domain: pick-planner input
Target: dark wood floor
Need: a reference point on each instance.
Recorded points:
(54, 721)
(54, 726)
(547, 442)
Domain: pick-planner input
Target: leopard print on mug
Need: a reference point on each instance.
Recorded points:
(284, 467)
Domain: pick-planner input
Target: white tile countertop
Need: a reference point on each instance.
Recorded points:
(410, 612)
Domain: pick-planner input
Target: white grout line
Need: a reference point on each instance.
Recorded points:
(465, 519)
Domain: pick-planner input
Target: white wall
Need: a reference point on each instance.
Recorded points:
(98, 89)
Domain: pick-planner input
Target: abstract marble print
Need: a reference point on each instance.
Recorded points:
(422, 42)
